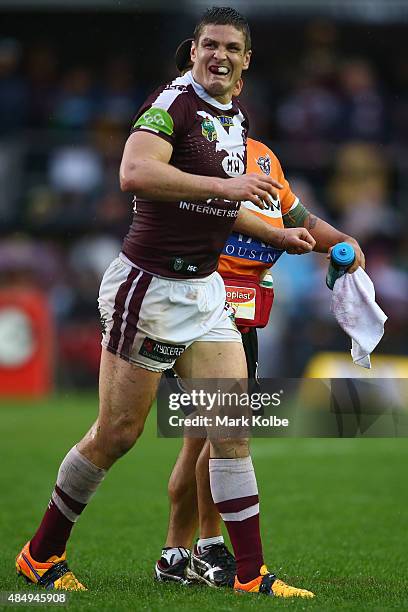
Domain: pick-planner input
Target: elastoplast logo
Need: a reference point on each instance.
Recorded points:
(240, 295)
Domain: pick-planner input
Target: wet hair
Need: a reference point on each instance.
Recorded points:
(224, 15)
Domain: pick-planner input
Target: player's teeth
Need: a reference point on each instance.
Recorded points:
(219, 69)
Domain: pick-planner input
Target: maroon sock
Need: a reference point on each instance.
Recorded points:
(235, 493)
(245, 537)
(53, 533)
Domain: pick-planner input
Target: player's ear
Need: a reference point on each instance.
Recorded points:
(193, 52)
(238, 88)
(247, 59)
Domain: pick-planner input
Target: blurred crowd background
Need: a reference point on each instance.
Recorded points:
(329, 96)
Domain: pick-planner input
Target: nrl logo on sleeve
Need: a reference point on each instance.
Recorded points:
(161, 351)
(265, 164)
(208, 130)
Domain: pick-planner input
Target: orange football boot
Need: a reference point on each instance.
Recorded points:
(53, 574)
(268, 584)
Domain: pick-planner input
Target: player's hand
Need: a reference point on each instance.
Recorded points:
(297, 241)
(255, 188)
(360, 258)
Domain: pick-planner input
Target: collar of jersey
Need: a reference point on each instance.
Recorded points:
(203, 94)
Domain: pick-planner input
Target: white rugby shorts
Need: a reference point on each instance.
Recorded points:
(150, 321)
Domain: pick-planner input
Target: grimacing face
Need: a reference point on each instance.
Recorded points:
(219, 58)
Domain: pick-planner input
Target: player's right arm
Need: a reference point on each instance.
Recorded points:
(145, 171)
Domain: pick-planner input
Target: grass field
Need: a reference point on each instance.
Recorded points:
(334, 516)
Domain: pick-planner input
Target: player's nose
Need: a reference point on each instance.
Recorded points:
(220, 53)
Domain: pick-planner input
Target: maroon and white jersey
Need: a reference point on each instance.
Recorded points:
(184, 238)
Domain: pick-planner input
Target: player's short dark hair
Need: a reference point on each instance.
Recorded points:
(224, 15)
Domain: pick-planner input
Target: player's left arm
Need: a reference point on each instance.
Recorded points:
(325, 235)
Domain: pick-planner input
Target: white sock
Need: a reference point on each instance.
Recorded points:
(79, 479)
(234, 489)
(173, 555)
(202, 543)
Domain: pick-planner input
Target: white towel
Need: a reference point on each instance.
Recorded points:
(358, 314)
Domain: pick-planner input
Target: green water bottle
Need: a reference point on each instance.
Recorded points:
(342, 257)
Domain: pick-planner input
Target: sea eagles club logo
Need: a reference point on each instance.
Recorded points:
(178, 264)
(265, 164)
(208, 129)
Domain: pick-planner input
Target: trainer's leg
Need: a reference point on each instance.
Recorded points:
(189, 485)
(209, 517)
(191, 502)
(126, 394)
(232, 478)
(182, 491)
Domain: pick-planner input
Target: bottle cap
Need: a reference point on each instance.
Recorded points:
(342, 254)
(266, 279)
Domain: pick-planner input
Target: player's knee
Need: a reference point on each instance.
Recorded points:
(123, 437)
(230, 449)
